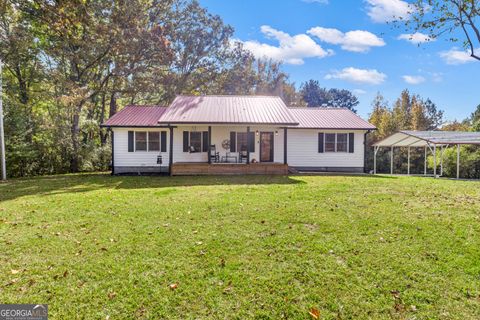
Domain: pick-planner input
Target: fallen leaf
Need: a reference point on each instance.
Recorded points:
(173, 286)
(315, 313)
(65, 274)
(15, 271)
(11, 282)
(112, 295)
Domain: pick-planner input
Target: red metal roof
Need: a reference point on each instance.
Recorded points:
(329, 118)
(228, 110)
(237, 110)
(136, 116)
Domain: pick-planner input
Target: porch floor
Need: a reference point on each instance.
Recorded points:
(200, 168)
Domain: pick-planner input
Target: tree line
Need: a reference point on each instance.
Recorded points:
(70, 65)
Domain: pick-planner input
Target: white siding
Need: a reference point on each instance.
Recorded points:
(302, 147)
(303, 150)
(123, 158)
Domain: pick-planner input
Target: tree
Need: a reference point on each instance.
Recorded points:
(475, 119)
(445, 17)
(316, 96)
(341, 98)
(313, 94)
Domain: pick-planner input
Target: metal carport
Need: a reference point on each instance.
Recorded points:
(427, 140)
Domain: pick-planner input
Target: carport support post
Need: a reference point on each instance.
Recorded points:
(458, 161)
(441, 161)
(408, 161)
(391, 161)
(425, 165)
(435, 161)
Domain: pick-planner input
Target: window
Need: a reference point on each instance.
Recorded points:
(154, 141)
(242, 141)
(342, 142)
(140, 141)
(196, 141)
(330, 142)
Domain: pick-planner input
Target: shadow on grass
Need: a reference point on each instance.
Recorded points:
(346, 174)
(74, 183)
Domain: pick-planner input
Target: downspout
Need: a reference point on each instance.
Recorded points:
(365, 151)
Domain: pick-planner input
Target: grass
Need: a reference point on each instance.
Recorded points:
(97, 247)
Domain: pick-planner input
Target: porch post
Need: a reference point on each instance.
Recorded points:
(458, 161)
(435, 161)
(285, 145)
(425, 165)
(391, 161)
(170, 152)
(408, 168)
(209, 144)
(375, 150)
(248, 147)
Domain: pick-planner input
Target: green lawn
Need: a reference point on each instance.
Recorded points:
(95, 246)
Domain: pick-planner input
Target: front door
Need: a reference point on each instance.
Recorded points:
(266, 146)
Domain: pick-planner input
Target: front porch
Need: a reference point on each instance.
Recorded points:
(192, 168)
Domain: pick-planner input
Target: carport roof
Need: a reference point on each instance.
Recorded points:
(425, 138)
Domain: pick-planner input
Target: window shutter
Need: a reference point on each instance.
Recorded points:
(163, 141)
(320, 142)
(233, 141)
(130, 141)
(251, 141)
(205, 141)
(185, 141)
(351, 141)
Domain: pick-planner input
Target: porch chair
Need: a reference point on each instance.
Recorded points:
(214, 154)
(243, 155)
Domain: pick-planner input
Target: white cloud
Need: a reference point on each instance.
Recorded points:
(291, 49)
(455, 56)
(413, 79)
(416, 38)
(356, 41)
(381, 11)
(368, 76)
(316, 1)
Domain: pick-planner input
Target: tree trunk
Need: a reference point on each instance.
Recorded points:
(74, 159)
(103, 132)
(113, 104)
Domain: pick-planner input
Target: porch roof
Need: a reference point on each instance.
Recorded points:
(228, 110)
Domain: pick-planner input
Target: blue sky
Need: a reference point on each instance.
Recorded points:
(347, 44)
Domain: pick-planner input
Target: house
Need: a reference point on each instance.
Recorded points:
(236, 135)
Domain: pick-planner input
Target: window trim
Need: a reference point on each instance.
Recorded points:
(147, 142)
(336, 142)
